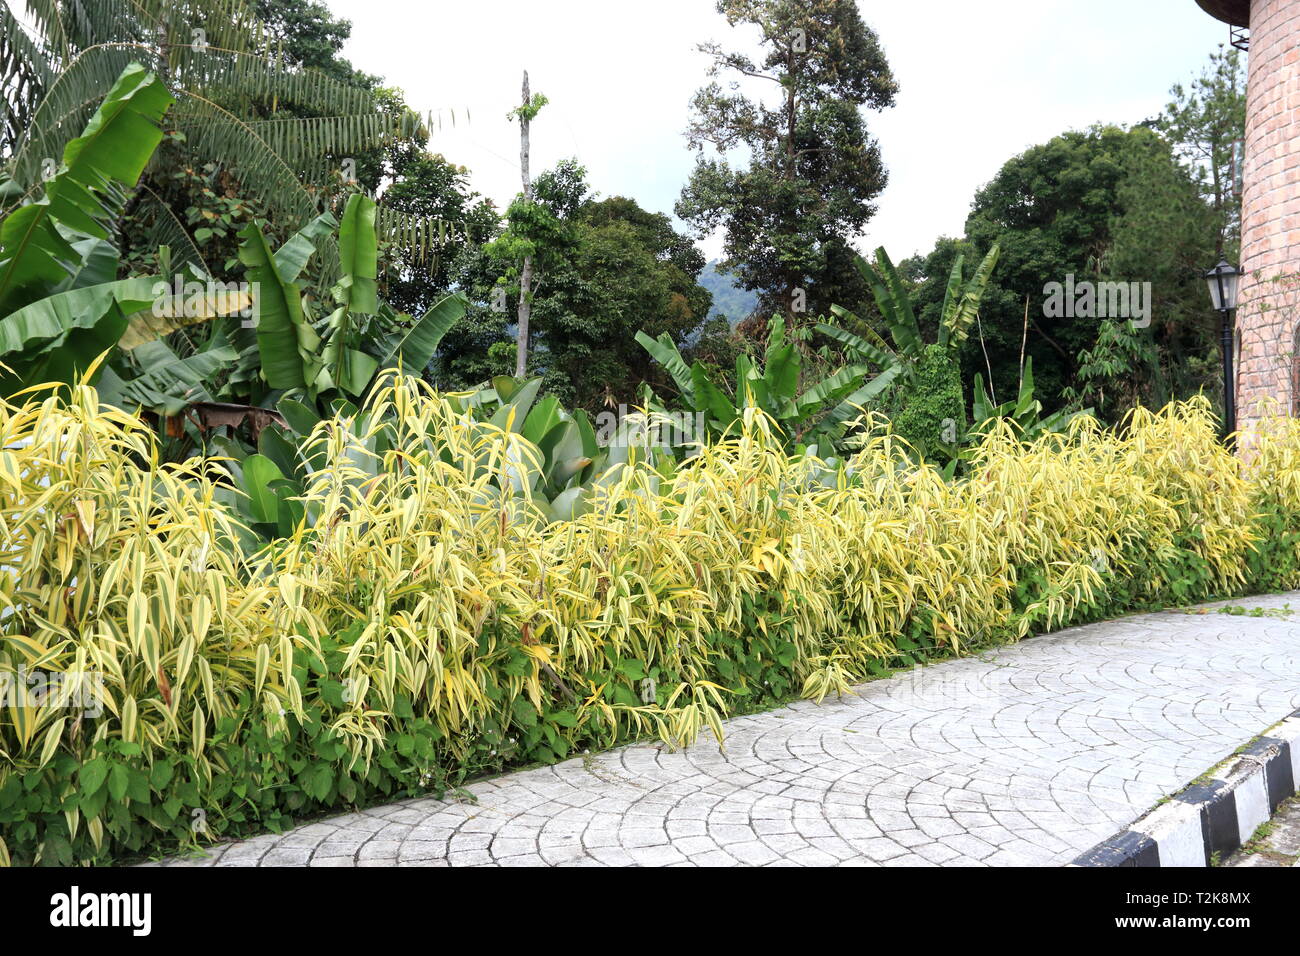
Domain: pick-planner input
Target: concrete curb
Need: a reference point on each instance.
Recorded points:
(1214, 816)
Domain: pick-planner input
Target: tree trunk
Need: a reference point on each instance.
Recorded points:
(526, 273)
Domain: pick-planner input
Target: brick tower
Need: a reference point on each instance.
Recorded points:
(1268, 317)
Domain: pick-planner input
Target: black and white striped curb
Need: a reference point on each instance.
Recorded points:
(1216, 816)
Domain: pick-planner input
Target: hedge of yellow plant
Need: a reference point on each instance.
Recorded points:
(425, 626)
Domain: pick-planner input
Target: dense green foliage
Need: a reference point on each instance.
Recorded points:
(930, 412)
(606, 269)
(253, 113)
(1152, 204)
(804, 412)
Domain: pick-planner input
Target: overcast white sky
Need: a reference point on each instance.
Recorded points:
(981, 80)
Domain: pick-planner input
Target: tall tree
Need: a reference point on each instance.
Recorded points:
(1103, 205)
(813, 168)
(307, 34)
(431, 187)
(607, 269)
(1206, 121)
(627, 271)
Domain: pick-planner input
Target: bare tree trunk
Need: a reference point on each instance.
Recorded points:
(526, 273)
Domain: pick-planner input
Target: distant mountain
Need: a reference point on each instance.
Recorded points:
(729, 299)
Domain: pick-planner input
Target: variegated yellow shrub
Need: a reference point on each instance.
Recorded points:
(424, 625)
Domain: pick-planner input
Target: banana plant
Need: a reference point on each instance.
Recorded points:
(1025, 412)
(299, 354)
(554, 462)
(164, 383)
(61, 305)
(961, 305)
(310, 367)
(818, 411)
(567, 457)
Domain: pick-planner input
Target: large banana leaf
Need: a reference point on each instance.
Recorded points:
(894, 304)
(48, 320)
(96, 262)
(149, 325)
(1025, 410)
(951, 296)
(711, 399)
(415, 348)
(832, 389)
(874, 351)
(960, 312)
(358, 257)
(292, 257)
(781, 365)
(286, 342)
(68, 358)
(665, 353)
(852, 406)
(168, 383)
(345, 365)
(86, 194)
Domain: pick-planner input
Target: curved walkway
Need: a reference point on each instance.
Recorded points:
(1027, 755)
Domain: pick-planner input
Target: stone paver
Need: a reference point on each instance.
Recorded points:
(1028, 755)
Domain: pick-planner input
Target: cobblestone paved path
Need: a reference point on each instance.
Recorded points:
(1028, 755)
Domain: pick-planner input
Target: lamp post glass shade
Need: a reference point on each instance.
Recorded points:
(1222, 280)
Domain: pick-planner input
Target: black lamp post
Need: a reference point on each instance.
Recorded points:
(1222, 280)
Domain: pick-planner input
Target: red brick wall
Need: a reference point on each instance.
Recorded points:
(1270, 255)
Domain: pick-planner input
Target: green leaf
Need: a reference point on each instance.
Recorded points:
(519, 405)
(663, 351)
(300, 418)
(874, 351)
(895, 305)
(169, 383)
(274, 444)
(415, 350)
(47, 321)
(286, 343)
(92, 775)
(263, 502)
(96, 264)
(117, 782)
(569, 504)
(160, 774)
(711, 398)
(87, 194)
(781, 365)
(850, 407)
(590, 445)
(292, 257)
(358, 256)
(544, 416)
(322, 780)
(355, 370)
(831, 389)
(956, 324)
(950, 299)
